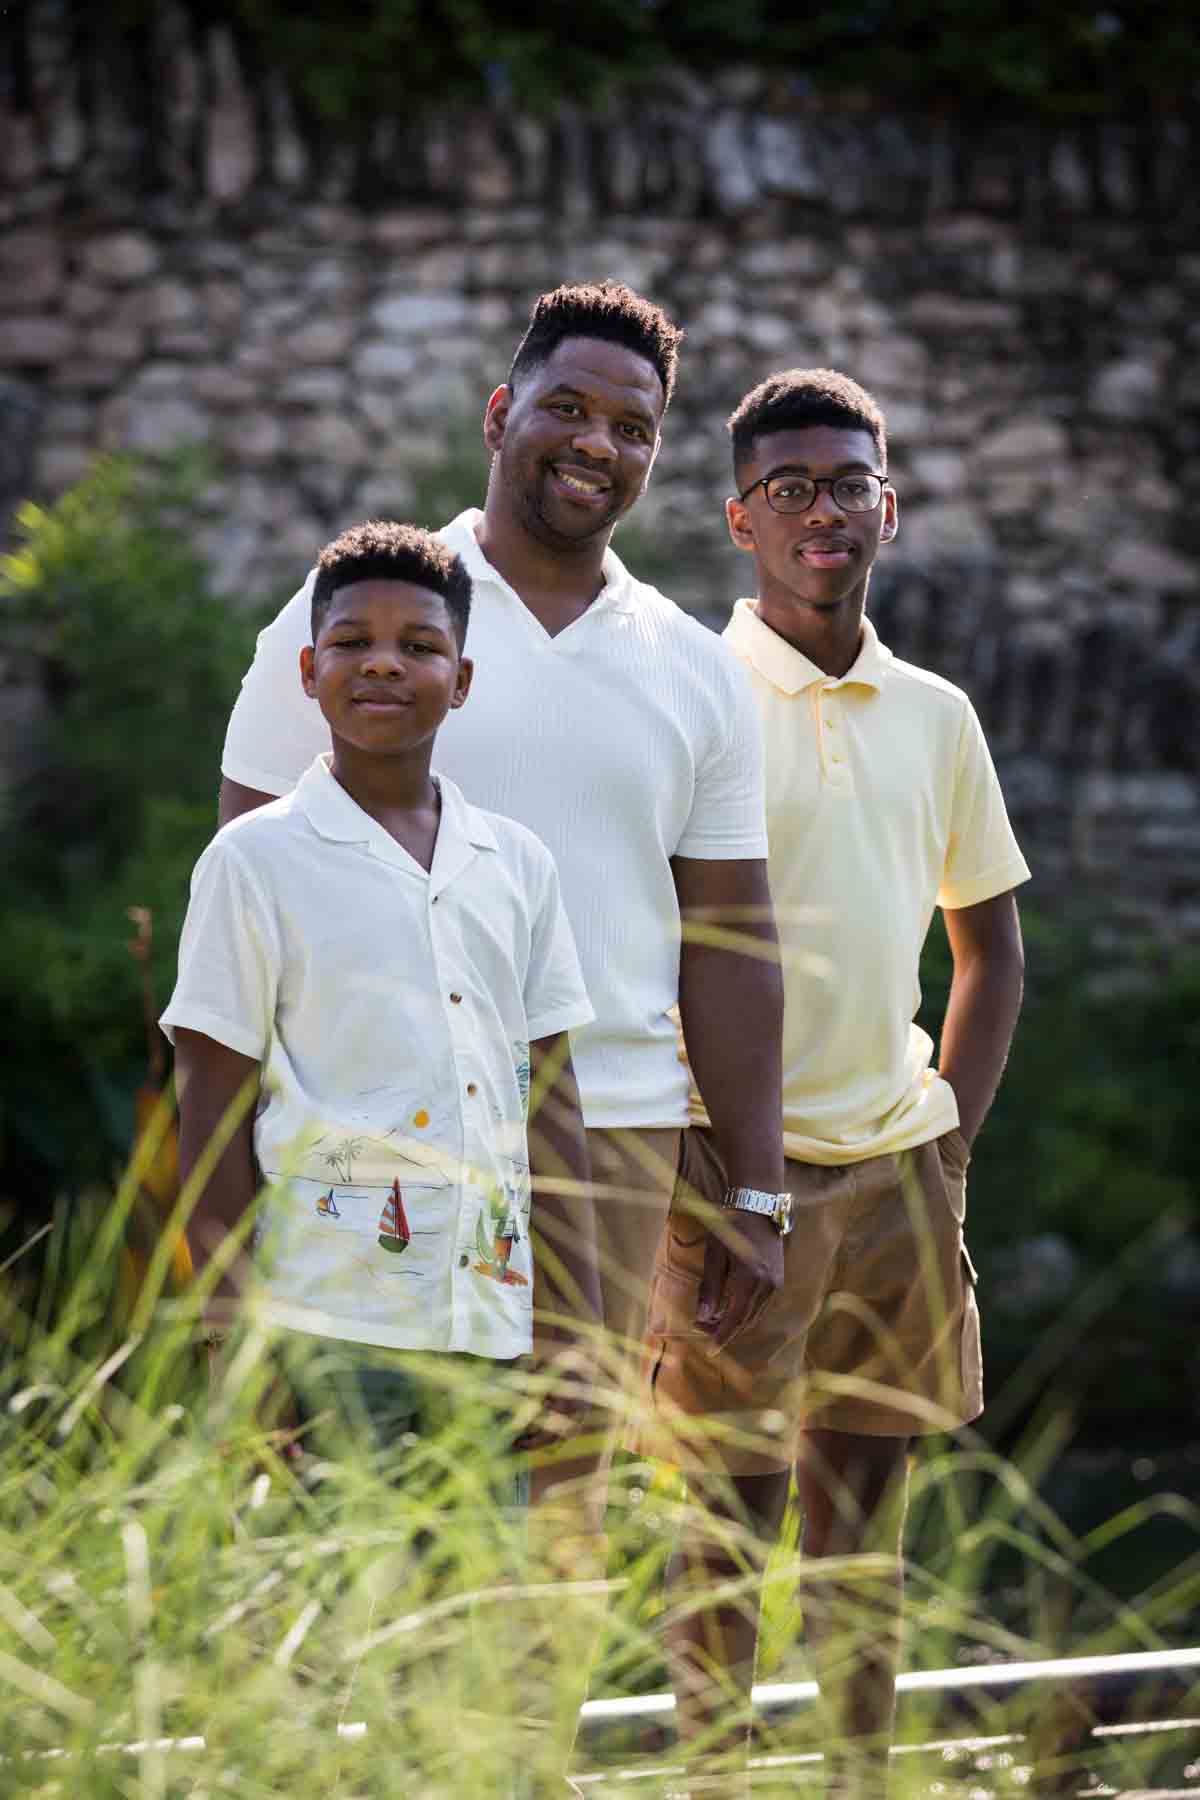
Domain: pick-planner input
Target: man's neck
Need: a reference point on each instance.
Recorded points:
(398, 792)
(830, 637)
(557, 585)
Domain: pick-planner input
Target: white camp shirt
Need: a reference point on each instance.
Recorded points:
(627, 739)
(392, 1010)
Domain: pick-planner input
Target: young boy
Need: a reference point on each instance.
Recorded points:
(882, 803)
(389, 969)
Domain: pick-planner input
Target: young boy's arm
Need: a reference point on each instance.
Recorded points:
(566, 1271)
(217, 1090)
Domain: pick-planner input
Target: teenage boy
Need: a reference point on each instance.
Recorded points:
(882, 802)
(389, 970)
(618, 729)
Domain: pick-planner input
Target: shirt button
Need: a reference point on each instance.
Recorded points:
(456, 999)
(463, 1260)
(472, 1087)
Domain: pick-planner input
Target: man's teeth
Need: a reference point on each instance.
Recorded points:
(580, 486)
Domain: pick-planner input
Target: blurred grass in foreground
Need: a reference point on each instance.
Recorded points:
(169, 1567)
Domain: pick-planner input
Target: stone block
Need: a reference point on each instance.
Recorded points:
(253, 437)
(58, 466)
(1127, 389)
(323, 437)
(938, 471)
(219, 385)
(415, 315)
(113, 344)
(1145, 563)
(32, 342)
(384, 360)
(945, 528)
(314, 388)
(155, 424)
(1030, 440)
(320, 341)
(121, 257)
(31, 269)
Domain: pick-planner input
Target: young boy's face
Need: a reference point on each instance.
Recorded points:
(386, 667)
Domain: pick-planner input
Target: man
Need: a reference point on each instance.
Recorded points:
(881, 802)
(617, 729)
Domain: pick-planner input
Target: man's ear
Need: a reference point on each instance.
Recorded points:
(891, 516)
(741, 530)
(308, 679)
(462, 684)
(495, 417)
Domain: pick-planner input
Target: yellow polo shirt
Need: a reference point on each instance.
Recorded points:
(882, 803)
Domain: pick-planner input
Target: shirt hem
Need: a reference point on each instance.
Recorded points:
(751, 850)
(347, 1331)
(246, 776)
(567, 1018)
(984, 887)
(213, 1026)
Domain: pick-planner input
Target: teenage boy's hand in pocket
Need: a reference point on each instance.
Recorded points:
(743, 1267)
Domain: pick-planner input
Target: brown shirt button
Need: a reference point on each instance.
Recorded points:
(456, 999)
(472, 1087)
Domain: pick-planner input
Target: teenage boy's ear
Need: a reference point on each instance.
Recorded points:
(495, 417)
(307, 679)
(741, 529)
(891, 516)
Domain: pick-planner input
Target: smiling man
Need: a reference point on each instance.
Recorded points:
(616, 728)
(882, 803)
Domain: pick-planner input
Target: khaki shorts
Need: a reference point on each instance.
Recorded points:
(875, 1329)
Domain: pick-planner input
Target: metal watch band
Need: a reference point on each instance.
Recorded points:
(757, 1200)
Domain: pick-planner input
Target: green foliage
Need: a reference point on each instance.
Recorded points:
(1091, 1141)
(109, 610)
(353, 66)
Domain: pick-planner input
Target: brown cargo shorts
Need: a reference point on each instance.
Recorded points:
(875, 1329)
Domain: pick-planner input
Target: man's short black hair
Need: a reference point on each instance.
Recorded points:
(796, 398)
(382, 550)
(600, 309)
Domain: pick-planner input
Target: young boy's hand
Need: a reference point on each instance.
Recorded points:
(567, 1407)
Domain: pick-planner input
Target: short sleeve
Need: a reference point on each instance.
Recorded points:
(275, 730)
(228, 957)
(555, 996)
(983, 858)
(728, 820)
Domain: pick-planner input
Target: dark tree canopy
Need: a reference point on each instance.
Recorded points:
(348, 66)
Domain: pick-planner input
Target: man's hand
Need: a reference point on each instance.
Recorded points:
(743, 1267)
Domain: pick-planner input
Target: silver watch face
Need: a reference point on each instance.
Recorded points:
(783, 1214)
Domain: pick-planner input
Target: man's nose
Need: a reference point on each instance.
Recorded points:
(594, 439)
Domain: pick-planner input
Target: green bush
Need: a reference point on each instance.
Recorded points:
(105, 605)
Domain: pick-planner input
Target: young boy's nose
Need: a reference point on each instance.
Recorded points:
(383, 659)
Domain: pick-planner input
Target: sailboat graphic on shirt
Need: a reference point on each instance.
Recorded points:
(394, 1231)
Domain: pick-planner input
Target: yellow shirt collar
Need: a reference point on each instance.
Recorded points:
(789, 669)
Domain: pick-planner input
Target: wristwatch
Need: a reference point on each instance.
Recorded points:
(776, 1207)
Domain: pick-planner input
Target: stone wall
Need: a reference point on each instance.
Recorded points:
(182, 259)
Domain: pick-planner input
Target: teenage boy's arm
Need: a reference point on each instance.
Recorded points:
(731, 1009)
(985, 998)
(217, 1087)
(566, 1268)
(235, 799)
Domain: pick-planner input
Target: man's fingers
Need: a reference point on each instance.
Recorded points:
(712, 1283)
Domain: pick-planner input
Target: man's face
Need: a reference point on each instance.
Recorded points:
(817, 559)
(386, 667)
(576, 439)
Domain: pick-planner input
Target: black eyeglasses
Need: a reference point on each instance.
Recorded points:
(796, 493)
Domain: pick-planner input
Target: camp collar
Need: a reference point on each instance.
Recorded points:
(334, 815)
(789, 669)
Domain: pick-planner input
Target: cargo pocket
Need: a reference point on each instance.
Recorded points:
(954, 1154)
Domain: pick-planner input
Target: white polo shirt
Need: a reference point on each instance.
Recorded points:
(392, 1010)
(625, 740)
(882, 803)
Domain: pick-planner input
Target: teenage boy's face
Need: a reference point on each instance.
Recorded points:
(386, 667)
(576, 439)
(816, 560)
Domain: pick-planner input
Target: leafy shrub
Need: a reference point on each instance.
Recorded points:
(108, 609)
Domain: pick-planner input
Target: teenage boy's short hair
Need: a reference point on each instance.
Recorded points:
(382, 550)
(795, 398)
(600, 309)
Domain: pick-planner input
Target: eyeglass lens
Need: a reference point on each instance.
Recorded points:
(795, 493)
